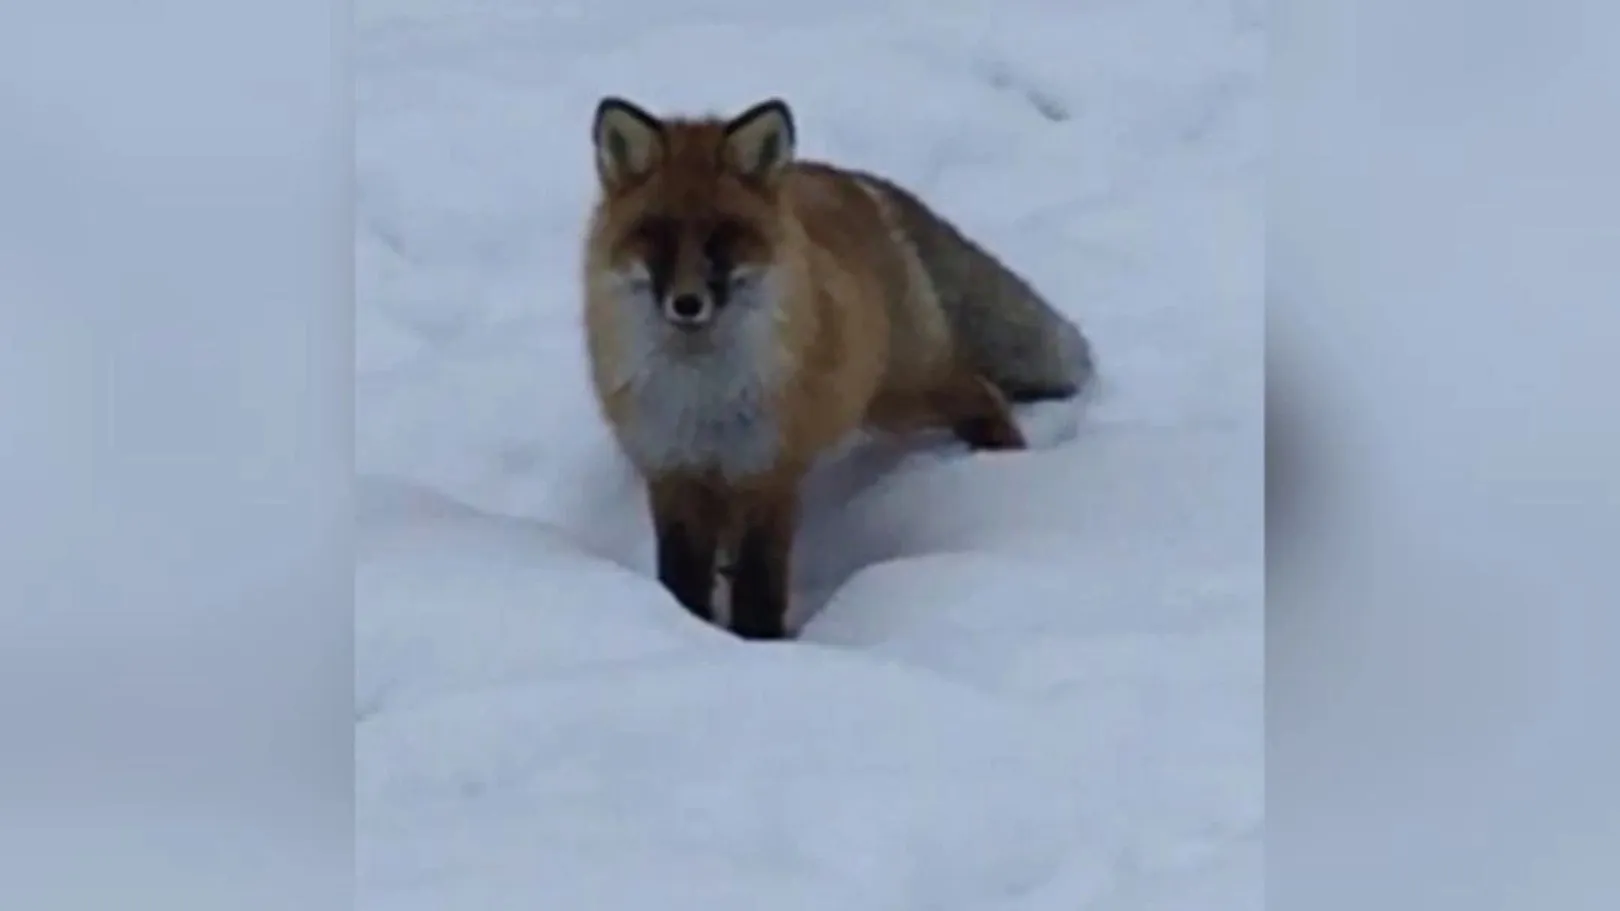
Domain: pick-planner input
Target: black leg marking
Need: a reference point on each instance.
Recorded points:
(687, 537)
(759, 581)
(684, 570)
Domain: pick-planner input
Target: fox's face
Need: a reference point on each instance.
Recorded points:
(691, 228)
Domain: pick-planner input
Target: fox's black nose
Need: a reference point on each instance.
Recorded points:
(686, 306)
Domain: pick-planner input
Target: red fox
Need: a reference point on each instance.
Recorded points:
(745, 311)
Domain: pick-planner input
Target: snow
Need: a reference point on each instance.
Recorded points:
(1025, 682)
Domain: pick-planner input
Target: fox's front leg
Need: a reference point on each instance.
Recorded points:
(760, 567)
(687, 517)
(760, 564)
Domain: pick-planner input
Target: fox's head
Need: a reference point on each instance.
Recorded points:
(691, 223)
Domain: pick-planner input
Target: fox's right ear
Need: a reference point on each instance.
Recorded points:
(628, 141)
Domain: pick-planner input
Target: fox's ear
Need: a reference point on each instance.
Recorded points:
(628, 141)
(759, 141)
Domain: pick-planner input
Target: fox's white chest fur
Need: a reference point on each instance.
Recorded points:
(700, 403)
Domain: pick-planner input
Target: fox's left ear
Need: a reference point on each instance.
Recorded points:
(759, 141)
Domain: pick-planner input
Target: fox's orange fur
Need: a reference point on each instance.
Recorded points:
(744, 312)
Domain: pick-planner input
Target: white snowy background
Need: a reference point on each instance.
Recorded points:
(1028, 682)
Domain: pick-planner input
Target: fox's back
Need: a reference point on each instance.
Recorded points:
(856, 240)
(948, 302)
(1000, 324)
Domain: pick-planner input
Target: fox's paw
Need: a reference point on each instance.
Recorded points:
(998, 432)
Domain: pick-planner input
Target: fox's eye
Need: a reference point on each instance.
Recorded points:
(638, 278)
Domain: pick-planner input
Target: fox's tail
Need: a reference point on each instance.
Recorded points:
(1003, 326)
(1025, 346)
